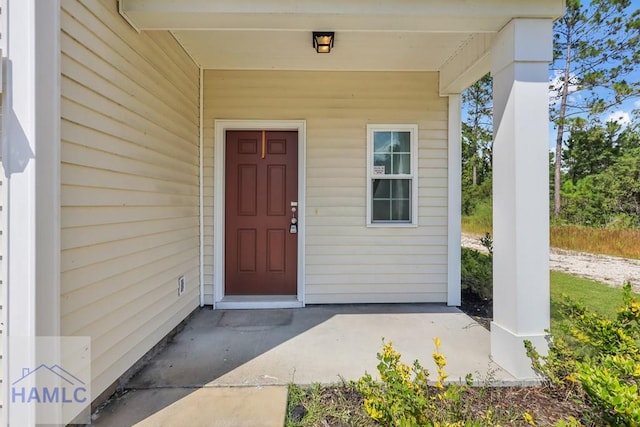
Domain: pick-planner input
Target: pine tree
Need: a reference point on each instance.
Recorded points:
(477, 144)
(596, 48)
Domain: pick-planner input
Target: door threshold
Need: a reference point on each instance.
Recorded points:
(240, 302)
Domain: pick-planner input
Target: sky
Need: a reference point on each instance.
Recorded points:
(622, 113)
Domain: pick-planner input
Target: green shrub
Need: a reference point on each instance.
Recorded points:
(484, 213)
(477, 273)
(476, 201)
(480, 220)
(602, 356)
(612, 384)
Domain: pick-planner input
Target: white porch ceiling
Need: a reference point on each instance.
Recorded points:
(389, 35)
(292, 50)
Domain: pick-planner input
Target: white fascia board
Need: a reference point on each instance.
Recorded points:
(340, 15)
(437, 7)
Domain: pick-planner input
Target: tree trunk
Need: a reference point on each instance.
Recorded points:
(558, 171)
(557, 184)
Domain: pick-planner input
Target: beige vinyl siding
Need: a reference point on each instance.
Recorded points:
(345, 260)
(130, 188)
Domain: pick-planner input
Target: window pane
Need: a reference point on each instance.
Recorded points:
(391, 200)
(401, 164)
(381, 210)
(382, 142)
(401, 142)
(400, 210)
(381, 189)
(400, 188)
(392, 153)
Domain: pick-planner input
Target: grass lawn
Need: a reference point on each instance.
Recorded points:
(596, 296)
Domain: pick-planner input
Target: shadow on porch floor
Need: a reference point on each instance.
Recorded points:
(259, 348)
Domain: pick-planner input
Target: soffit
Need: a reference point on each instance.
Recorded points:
(414, 35)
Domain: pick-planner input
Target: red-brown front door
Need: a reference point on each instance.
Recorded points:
(261, 184)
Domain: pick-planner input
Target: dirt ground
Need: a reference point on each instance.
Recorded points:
(343, 407)
(611, 270)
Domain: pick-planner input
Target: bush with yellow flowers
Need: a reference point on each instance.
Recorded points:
(602, 359)
(403, 397)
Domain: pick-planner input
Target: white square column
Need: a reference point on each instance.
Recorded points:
(520, 58)
(454, 207)
(31, 162)
(30, 216)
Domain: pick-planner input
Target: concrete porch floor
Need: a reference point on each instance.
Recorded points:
(239, 360)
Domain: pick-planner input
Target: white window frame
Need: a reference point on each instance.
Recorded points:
(413, 176)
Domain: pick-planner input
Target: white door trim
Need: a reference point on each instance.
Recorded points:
(221, 126)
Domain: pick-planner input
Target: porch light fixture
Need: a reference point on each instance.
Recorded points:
(322, 41)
